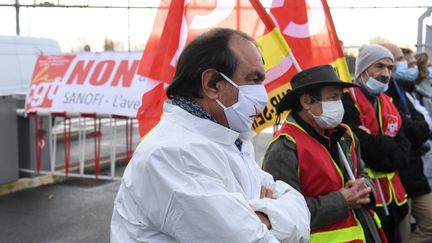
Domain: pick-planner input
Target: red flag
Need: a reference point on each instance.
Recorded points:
(161, 44)
(177, 22)
(150, 110)
(309, 30)
(305, 25)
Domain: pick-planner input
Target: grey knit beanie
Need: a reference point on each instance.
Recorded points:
(368, 55)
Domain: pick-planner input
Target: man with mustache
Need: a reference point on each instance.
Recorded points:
(194, 177)
(377, 123)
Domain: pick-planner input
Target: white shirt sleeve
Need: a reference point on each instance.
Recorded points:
(287, 211)
(202, 211)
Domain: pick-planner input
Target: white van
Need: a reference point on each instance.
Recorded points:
(18, 56)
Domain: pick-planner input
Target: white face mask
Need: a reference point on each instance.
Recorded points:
(332, 114)
(251, 101)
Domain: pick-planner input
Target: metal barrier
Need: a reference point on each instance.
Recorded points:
(62, 124)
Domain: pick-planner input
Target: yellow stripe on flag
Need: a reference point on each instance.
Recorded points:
(341, 67)
(273, 48)
(268, 116)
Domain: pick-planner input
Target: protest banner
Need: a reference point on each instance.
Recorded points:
(103, 83)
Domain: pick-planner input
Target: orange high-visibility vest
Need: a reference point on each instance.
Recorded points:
(389, 123)
(319, 175)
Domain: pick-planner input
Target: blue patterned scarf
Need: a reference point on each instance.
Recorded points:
(196, 110)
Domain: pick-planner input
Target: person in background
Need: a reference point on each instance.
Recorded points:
(305, 154)
(417, 131)
(414, 177)
(87, 48)
(411, 61)
(406, 71)
(423, 95)
(378, 124)
(194, 177)
(423, 84)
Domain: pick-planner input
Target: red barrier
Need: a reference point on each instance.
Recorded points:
(39, 141)
(97, 139)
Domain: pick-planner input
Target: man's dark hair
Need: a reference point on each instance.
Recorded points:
(208, 51)
(314, 93)
(406, 51)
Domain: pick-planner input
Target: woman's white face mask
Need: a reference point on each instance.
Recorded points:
(251, 101)
(332, 114)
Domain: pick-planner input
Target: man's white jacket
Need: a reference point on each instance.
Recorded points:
(188, 182)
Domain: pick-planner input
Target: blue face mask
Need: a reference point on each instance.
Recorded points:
(404, 73)
(375, 87)
(430, 72)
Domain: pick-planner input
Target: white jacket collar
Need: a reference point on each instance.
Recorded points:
(207, 128)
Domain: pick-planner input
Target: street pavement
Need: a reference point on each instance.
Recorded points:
(74, 210)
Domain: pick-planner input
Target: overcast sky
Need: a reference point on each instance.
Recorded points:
(356, 22)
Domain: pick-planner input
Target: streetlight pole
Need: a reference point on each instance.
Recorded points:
(420, 29)
(17, 6)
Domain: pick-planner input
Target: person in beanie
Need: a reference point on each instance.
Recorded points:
(305, 154)
(377, 123)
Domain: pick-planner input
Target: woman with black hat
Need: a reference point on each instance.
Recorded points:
(320, 157)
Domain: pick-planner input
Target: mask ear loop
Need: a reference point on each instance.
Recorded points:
(229, 80)
(368, 76)
(316, 100)
(276, 123)
(222, 105)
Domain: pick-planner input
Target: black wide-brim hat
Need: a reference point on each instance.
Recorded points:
(309, 79)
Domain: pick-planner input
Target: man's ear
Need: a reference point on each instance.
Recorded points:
(305, 101)
(210, 84)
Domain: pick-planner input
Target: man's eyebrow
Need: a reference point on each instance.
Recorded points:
(384, 65)
(255, 75)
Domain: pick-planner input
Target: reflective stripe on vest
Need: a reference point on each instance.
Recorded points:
(388, 181)
(351, 234)
(376, 219)
(325, 178)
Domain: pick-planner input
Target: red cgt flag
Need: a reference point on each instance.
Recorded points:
(308, 29)
(306, 26)
(177, 22)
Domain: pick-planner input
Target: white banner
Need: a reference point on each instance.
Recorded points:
(103, 83)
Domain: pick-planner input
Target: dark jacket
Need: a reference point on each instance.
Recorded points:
(282, 162)
(381, 153)
(417, 132)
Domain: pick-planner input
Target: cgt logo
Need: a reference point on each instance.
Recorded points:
(392, 126)
(51, 73)
(315, 23)
(296, 26)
